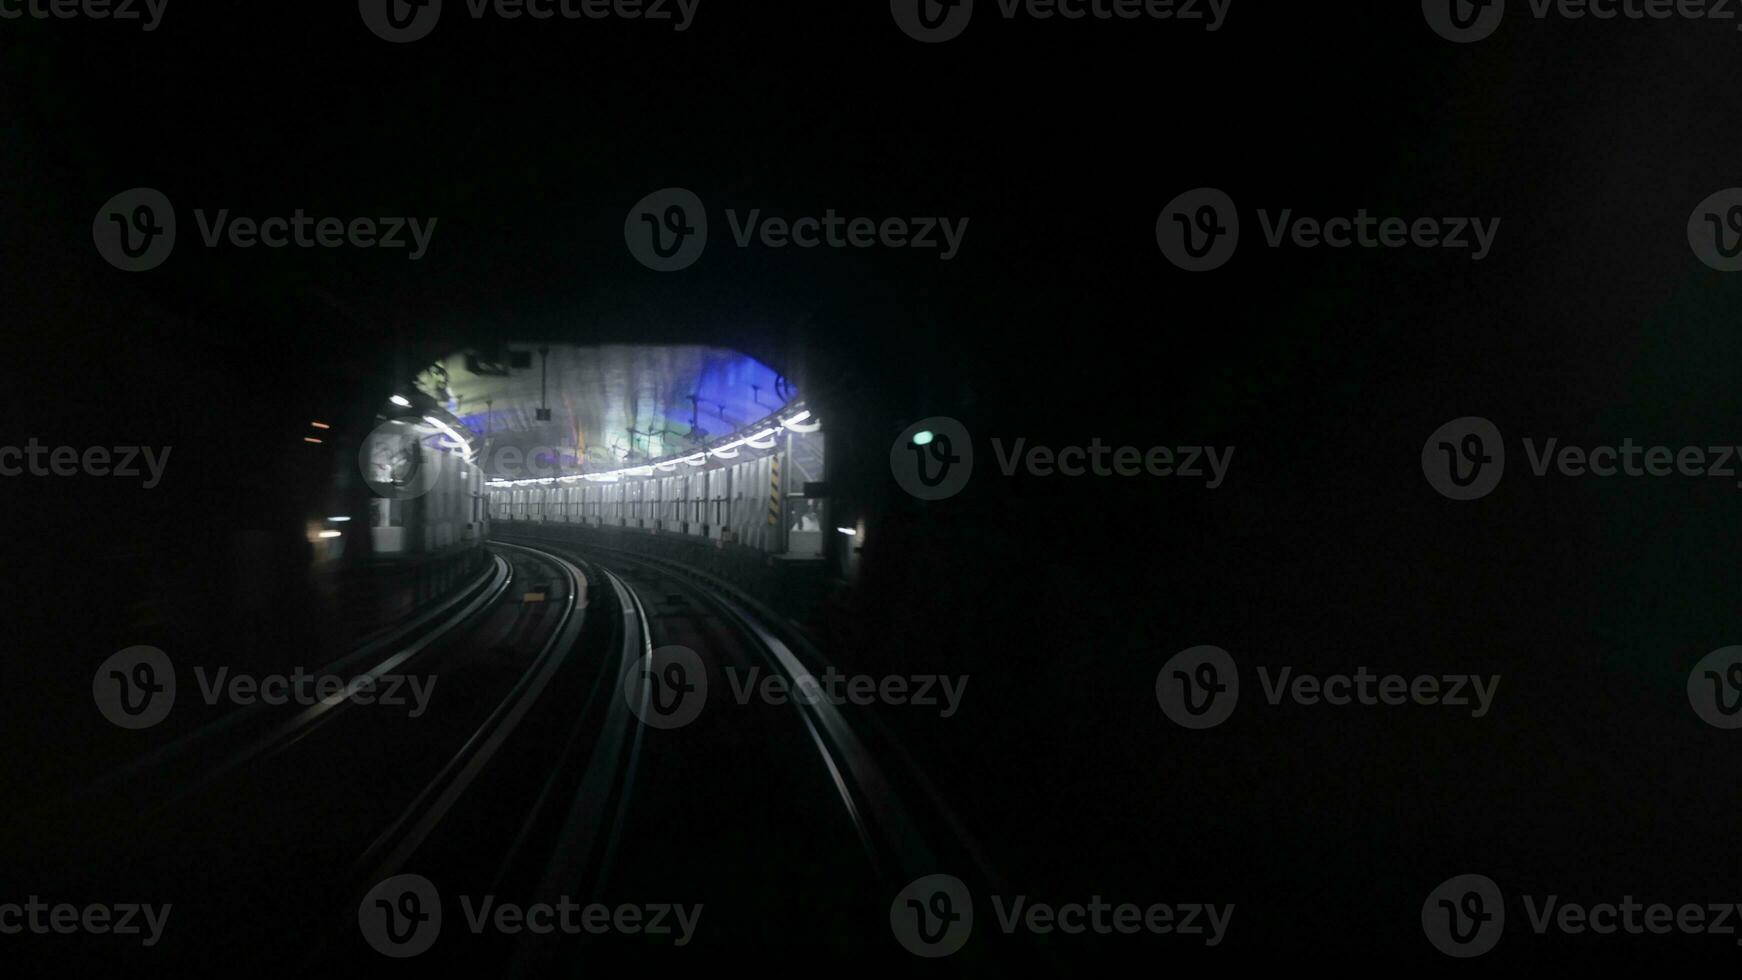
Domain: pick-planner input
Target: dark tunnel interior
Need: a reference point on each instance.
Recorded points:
(529, 487)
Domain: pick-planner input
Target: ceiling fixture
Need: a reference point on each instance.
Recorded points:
(797, 423)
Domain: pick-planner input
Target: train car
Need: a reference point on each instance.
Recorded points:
(429, 496)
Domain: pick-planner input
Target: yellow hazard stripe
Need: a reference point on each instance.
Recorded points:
(773, 489)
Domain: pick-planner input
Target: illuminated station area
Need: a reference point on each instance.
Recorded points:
(687, 442)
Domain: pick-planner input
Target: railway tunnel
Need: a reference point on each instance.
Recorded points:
(692, 453)
(741, 479)
(549, 600)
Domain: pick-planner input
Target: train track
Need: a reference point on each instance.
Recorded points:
(522, 784)
(896, 844)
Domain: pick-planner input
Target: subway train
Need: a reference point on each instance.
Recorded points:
(427, 491)
(758, 492)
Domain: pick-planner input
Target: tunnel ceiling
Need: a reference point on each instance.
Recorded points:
(609, 405)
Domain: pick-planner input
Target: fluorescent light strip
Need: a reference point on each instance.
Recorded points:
(763, 440)
(462, 445)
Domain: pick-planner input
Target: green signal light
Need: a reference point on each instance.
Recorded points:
(922, 438)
